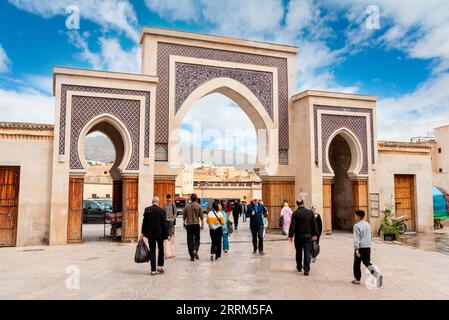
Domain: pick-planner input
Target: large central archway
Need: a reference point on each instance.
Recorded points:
(266, 128)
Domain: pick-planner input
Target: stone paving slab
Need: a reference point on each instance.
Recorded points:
(108, 271)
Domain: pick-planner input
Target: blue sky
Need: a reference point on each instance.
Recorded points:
(405, 61)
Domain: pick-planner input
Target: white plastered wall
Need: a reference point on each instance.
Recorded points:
(34, 157)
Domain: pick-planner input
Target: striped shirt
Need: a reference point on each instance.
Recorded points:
(212, 220)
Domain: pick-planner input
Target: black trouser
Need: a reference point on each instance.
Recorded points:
(216, 237)
(303, 242)
(365, 257)
(236, 219)
(257, 233)
(160, 256)
(193, 238)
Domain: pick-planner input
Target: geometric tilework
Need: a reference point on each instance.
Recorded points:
(85, 108)
(317, 108)
(191, 76)
(165, 50)
(116, 106)
(357, 124)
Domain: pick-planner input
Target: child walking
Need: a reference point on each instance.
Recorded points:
(362, 249)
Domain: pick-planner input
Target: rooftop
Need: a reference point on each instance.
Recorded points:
(26, 126)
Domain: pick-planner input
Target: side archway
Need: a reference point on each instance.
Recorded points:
(116, 131)
(355, 150)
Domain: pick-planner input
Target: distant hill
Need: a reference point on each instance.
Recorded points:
(100, 148)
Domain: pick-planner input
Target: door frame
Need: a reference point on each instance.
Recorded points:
(18, 170)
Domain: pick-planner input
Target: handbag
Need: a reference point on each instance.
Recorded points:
(142, 254)
(169, 248)
(315, 249)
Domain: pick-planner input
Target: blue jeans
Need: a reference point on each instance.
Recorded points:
(225, 241)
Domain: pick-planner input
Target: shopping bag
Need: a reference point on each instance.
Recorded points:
(315, 249)
(142, 253)
(169, 248)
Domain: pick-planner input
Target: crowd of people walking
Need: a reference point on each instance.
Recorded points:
(303, 227)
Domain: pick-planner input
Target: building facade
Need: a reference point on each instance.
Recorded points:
(319, 146)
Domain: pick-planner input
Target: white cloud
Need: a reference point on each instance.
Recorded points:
(42, 83)
(116, 15)
(217, 112)
(418, 28)
(111, 56)
(173, 10)
(26, 106)
(4, 60)
(416, 113)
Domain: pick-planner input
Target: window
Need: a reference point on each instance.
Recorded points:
(440, 170)
(439, 150)
(94, 195)
(108, 196)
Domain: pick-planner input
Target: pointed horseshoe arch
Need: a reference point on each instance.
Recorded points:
(248, 102)
(355, 147)
(116, 131)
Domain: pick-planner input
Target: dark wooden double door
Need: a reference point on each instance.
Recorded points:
(9, 205)
(124, 198)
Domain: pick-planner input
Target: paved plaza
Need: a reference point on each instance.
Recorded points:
(414, 270)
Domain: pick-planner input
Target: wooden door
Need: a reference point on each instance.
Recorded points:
(404, 191)
(327, 207)
(360, 197)
(9, 205)
(117, 196)
(273, 195)
(75, 210)
(130, 209)
(162, 187)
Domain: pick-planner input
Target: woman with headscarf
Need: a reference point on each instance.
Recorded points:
(286, 214)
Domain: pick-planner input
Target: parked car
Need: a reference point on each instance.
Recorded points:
(180, 203)
(104, 202)
(93, 211)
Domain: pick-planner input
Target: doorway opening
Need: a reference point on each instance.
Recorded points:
(219, 153)
(103, 184)
(340, 158)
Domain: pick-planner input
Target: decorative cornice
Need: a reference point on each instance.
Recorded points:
(26, 126)
(399, 147)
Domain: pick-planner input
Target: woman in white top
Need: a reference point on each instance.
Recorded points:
(215, 220)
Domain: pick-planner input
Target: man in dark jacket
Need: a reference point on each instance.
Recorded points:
(304, 228)
(236, 211)
(256, 212)
(154, 228)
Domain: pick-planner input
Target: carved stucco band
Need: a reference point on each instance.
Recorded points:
(190, 76)
(357, 124)
(165, 50)
(85, 108)
(317, 108)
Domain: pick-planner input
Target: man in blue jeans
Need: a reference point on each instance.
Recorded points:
(256, 212)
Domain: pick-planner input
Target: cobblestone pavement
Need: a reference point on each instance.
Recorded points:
(107, 271)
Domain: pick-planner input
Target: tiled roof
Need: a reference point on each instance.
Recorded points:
(403, 144)
(26, 126)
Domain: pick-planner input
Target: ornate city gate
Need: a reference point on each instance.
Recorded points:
(141, 114)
